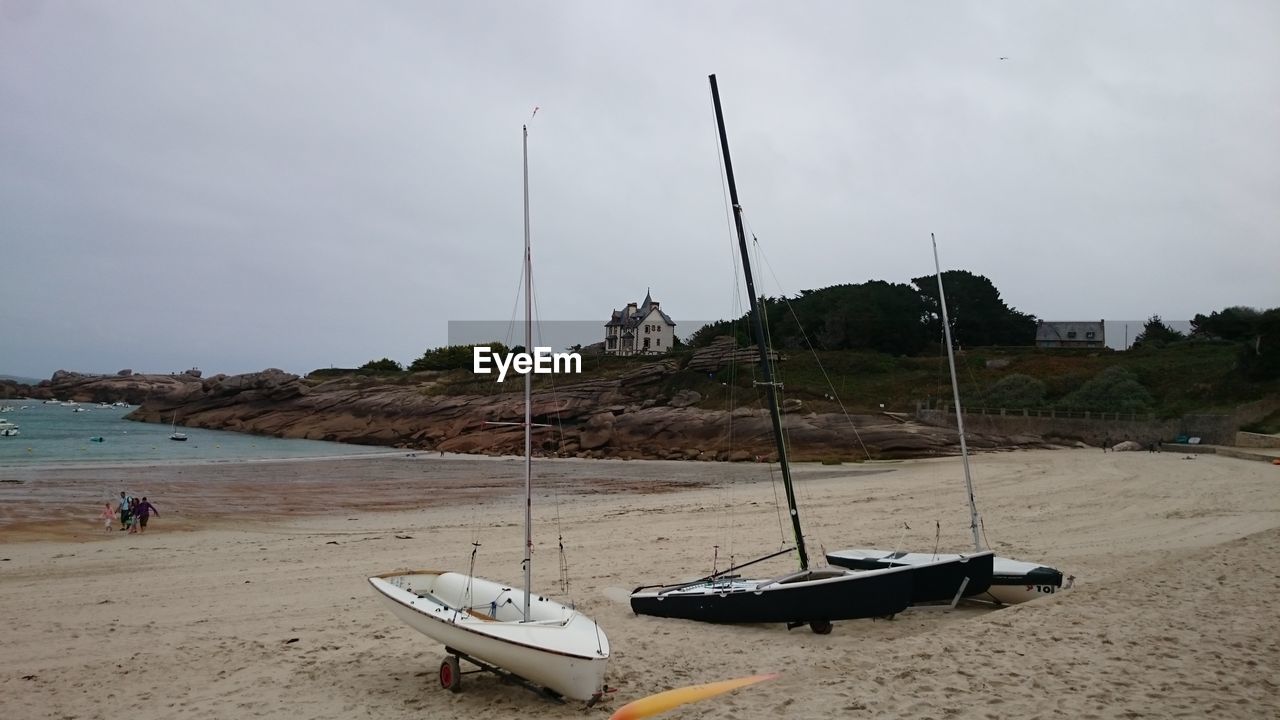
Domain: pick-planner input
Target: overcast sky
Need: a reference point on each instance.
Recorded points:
(304, 184)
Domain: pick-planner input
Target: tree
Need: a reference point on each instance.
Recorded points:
(1260, 356)
(1237, 323)
(978, 315)
(452, 357)
(1015, 391)
(1112, 390)
(875, 315)
(383, 365)
(1156, 334)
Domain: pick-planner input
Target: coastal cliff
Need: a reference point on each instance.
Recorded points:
(633, 415)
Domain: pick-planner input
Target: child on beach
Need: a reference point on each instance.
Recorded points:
(108, 517)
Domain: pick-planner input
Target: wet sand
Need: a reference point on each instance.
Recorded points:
(247, 596)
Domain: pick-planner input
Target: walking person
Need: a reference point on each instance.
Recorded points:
(133, 516)
(144, 510)
(108, 517)
(125, 504)
(1106, 443)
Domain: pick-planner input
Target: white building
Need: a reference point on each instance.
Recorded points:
(639, 330)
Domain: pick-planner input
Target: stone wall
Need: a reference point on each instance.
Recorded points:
(1092, 429)
(1257, 440)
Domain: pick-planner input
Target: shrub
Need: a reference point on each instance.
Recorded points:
(1015, 391)
(1112, 390)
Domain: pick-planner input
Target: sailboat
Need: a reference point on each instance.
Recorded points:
(808, 596)
(173, 430)
(512, 631)
(1011, 581)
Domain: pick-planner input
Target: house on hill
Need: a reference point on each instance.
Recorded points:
(1087, 334)
(642, 329)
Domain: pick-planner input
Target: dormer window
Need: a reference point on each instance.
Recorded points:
(1071, 334)
(1089, 335)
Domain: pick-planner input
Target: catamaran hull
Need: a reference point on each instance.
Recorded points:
(832, 595)
(564, 651)
(1017, 582)
(1012, 581)
(936, 578)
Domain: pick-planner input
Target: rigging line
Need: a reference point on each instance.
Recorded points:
(727, 515)
(559, 426)
(777, 507)
(735, 303)
(800, 491)
(515, 307)
(551, 380)
(975, 517)
(726, 203)
(821, 368)
(786, 430)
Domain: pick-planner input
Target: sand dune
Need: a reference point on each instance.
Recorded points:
(248, 597)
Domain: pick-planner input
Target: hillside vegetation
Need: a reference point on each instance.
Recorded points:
(878, 347)
(1186, 377)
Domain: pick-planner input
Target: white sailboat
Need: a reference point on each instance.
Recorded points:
(494, 625)
(173, 430)
(1012, 581)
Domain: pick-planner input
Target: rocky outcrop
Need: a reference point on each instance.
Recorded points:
(630, 416)
(723, 352)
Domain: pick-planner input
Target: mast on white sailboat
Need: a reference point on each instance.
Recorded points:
(528, 391)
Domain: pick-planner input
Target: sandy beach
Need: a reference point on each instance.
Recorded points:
(247, 597)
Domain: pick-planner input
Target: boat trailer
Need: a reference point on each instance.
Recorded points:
(451, 673)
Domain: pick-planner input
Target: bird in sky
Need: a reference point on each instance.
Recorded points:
(1004, 58)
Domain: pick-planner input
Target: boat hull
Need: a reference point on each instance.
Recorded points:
(558, 649)
(936, 578)
(1017, 582)
(818, 596)
(1011, 581)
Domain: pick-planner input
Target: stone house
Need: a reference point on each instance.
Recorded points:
(642, 329)
(1087, 334)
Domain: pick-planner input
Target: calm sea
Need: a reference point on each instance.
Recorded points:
(55, 434)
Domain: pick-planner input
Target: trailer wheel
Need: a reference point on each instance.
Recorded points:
(820, 627)
(450, 674)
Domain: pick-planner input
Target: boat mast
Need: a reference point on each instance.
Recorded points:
(955, 391)
(528, 391)
(757, 325)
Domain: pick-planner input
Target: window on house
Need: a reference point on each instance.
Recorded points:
(1089, 335)
(659, 343)
(646, 343)
(1071, 334)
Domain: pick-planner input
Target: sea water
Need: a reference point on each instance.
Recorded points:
(58, 434)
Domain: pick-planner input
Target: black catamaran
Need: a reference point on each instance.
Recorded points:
(949, 576)
(813, 597)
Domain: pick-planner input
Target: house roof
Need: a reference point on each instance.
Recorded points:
(621, 319)
(1058, 331)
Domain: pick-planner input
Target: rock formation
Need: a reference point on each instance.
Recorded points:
(628, 416)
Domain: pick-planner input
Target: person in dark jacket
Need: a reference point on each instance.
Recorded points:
(144, 510)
